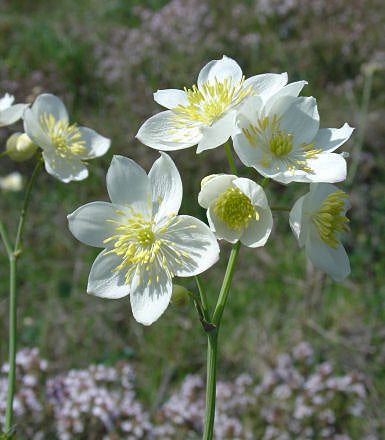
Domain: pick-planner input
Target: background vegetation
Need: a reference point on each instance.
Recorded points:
(104, 59)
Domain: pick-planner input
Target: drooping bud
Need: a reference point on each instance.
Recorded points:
(20, 147)
(180, 296)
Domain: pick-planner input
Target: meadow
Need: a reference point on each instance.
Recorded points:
(104, 60)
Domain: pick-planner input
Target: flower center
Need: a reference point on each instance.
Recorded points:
(139, 246)
(329, 218)
(278, 144)
(65, 137)
(235, 209)
(209, 102)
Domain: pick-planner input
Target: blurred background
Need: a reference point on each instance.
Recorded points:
(104, 59)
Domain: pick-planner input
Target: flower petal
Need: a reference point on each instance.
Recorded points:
(196, 244)
(90, 223)
(166, 187)
(220, 70)
(171, 98)
(329, 139)
(12, 114)
(33, 129)
(218, 133)
(220, 228)
(128, 184)
(253, 191)
(327, 167)
(213, 188)
(51, 105)
(64, 169)
(299, 116)
(96, 144)
(148, 302)
(258, 231)
(103, 281)
(335, 262)
(296, 220)
(266, 84)
(292, 89)
(162, 133)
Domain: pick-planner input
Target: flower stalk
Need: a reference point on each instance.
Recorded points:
(13, 254)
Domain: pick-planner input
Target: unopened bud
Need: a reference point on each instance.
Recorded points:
(180, 296)
(12, 182)
(20, 147)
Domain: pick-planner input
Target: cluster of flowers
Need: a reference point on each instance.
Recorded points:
(145, 242)
(296, 399)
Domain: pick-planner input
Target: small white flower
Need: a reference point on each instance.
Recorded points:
(317, 220)
(10, 113)
(66, 147)
(205, 114)
(237, 209)
(281, 139)
(12, 182)
(146, 243)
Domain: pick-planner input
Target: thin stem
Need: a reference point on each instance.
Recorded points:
(4, 153)
(213, 343)
(5, 239)
(280, 208)
(202, 293)
(264, 182)
(230, 158)
(212, 339)
(12, 255)
(223, 294)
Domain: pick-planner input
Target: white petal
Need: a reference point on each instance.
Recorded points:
(249, 155)
(166, 187)
(249, 111)
(318, 193)
(62, 169)
(12, 114)
(190, 236)
(266, 84)
(327, 167)
(161, 133)
(218, 133)
(222, 231)
(128, 184)
(213, 188)
(296, 219)
(96, 144)
(90, 225)
(220, 70)
(329, 139)
(292, 89)
(51, 105)
(148, 302)
(171, 98)
(253, 191)
(33, 129)
(299, 116)
(258, 231)
(103, 281)
(335, 262)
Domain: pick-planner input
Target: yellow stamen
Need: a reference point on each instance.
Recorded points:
(235, 209)
(329, 218)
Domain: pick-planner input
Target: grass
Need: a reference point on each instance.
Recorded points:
(277, 298)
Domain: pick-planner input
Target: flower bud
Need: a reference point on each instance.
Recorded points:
(20, 147)
(180, 296)
(11, 182)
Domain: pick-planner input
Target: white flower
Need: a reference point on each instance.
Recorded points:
(12, 182)
(10, 113)
(237, 209)
(66, 147)
(317, 220)
(205, 114)
(146, 243)
(281, 139)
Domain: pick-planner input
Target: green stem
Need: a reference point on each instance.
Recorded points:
(230, 158)
(264, 182)
(13, 255)
(5, 239)
(4, 153)
(213, 343)
(205, 305)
